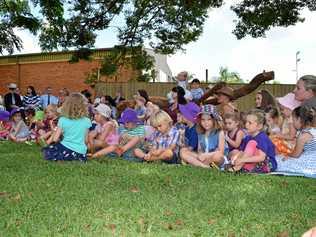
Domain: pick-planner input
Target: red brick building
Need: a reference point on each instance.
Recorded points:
(53, 69)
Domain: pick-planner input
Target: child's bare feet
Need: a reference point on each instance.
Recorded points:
(119, 151)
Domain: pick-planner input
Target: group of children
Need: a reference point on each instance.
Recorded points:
(201, 136)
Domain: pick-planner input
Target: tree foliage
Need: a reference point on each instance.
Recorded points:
(255, 17)
(166, 25)
(229, 77)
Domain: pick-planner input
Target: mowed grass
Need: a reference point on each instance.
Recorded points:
(120, 198)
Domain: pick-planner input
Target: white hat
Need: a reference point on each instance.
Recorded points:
(12, 86)
(104, 110)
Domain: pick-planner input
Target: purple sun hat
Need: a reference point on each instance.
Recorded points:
(129, 115)
(190, 111)
(4, 115)
(14, 111)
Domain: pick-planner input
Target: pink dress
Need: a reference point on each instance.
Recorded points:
(113, 137)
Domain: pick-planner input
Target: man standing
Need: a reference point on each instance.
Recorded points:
(12, 100)
(48, 98)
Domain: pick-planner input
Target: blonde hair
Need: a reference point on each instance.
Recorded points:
(160, 117)
(51, 108)
(75, 106)
(260, 115)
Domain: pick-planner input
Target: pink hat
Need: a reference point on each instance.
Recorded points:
(289, 101)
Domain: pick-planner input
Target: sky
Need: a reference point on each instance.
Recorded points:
(218, 47)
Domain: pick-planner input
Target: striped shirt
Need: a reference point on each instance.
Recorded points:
(31, 101)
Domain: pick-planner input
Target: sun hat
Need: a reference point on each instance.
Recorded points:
(129, 116)
(210, 110)
(289, 101)
(226, 90)
(39, 115)
(12, 86)
(14, 111)
(104, 110)
(190, 111)
(4, 115)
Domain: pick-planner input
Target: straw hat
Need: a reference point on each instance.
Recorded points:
(228, 91)
(12, 86)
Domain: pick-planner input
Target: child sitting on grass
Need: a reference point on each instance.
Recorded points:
(187, 116)
(131, 135)
(211, 141)
(257, 152)
(48, 125)
(5, 124)
(285, 140)
(19, 131)
(105, 135)
(274, 121)
(302, 158)
(165, 144)
(71, 131)
(233, 134)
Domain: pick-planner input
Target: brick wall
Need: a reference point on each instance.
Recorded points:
(54, 74)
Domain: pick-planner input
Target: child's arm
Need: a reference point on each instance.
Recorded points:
(290, 136)
(221, 142)
(299, 146)
(57, 134)
(240, 135)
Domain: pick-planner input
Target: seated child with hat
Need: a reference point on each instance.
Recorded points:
(105, 134)
(19, 131)
(5, 124)
(285, 140)
(131, 135)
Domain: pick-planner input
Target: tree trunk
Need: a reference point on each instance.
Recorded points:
(240, 92)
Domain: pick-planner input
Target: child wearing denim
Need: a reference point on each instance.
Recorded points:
(211, 141)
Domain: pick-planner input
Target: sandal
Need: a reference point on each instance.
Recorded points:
(213, 165)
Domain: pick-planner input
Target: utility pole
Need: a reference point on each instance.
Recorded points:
(297, 59)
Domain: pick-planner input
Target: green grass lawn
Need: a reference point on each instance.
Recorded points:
(120, 198)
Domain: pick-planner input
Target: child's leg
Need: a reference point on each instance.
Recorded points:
(130, 144)
(139, 153)
(250, 150)
(191, 157)
(104, 151)
(12, 138)
(213, 157)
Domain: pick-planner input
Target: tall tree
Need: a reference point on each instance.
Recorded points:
(166, 25)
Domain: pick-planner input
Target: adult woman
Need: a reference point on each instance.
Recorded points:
(305, 90)
(31, 99)
(264, 99)
(224, 98)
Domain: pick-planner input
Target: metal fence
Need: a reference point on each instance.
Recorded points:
(128, 89)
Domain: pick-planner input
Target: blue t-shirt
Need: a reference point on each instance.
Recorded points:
(191, 137)
(74, 133)
(264, 144)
